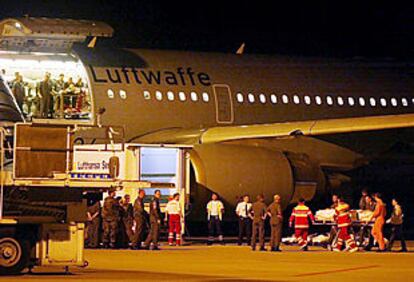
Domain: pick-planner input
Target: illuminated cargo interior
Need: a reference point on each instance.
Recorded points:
(67, 82)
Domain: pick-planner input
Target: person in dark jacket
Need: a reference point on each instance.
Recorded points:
(396, 221)
(110, 217)
(44, 90)
(259, 216)
(93, 224)
(140, 217)
(276, 222)
(127, 211)
(155, 222)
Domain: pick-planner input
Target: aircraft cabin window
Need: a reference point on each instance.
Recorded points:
(329, 100)
(122, 94)
(318, 100)
(307, 100)
(194, 96)
(404, 102)
(273, 98)
(158, 95)
(340, 101)
(372, 102)
(296, 99)
(170, 96)
(361, 101)
(383, 102)
(351, 101)
(262, 98)
(240, 97)
(147, 95)
(181, 95)
(285, 99)
(394, 102)
(206, 97)
(110, 93)
(251, 98)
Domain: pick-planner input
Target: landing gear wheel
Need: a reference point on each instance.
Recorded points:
(13, 255)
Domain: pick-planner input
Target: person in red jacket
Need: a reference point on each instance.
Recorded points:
(300, 217)
(343, 221)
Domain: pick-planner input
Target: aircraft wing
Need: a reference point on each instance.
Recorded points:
(275, 130)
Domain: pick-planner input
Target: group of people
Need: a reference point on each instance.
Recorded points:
(49, 98)
(129, 225)
(251, 217)
(376, 204)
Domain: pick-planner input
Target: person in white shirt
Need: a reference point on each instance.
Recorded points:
(174, 213)
(244, 213)
(215, 210)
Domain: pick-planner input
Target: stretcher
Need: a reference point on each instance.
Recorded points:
(360, 230)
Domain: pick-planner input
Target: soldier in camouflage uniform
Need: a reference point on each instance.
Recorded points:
(93, 223)
(155, 222)
(127, 219)
(140, 217)
(110, 217)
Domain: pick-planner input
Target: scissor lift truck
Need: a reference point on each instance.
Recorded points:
(42, 202)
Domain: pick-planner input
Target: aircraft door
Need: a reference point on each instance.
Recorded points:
(224, 103)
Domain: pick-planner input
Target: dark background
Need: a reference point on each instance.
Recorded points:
(294, 28)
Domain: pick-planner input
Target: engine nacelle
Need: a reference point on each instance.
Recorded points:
(234, 170)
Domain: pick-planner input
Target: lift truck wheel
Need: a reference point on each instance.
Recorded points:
(14, 255)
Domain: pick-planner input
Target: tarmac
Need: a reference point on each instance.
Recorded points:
(232, 263)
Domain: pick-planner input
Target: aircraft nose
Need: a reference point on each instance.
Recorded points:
(8, 108)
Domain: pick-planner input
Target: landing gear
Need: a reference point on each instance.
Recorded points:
(14, 255)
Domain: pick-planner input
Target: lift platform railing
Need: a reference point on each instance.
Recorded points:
(46, 151)
(2, 160)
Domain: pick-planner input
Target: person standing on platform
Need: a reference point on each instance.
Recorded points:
(276, 222)
(18, 90)
(243, 211)
(396, 222)
(128, 218)
(215, 211)
(140, 218)
(110, 216)
(174, 215)
(343, 221)
(155, 222)
(259, 216)
(44, 90)
(93, 223)
(379, 215)
(300, 220)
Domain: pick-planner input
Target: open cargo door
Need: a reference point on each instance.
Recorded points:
(48, 35)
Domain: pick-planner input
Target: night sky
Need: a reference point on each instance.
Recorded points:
(301, 28)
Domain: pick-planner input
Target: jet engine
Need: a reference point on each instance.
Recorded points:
(232, 170)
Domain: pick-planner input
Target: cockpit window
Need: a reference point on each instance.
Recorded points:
(47, 86)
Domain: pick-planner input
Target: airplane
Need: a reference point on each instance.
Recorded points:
(258, 123)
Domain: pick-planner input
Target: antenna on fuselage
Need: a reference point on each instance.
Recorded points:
(240, 51)
(92, 43)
